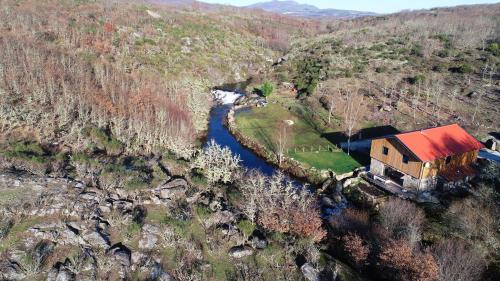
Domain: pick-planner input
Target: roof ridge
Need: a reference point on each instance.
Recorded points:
(429, 128)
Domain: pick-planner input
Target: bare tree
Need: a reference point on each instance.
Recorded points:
(353, 108)
(330, 97)
(282, 140)
(454, 95)
(457, 261)
(402, 220)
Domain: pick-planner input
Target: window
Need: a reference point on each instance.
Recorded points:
(385, 150)
(448, 160)
(406, 159)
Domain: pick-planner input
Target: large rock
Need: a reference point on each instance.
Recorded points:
(148, 241)
(61, 272)
(97, 239)
(121, 254)
(149, 236)
(172, 193)
(10, 270)
(240, 251)
(310, 273)
(259, 241)
(173, 190)
(175, 183)
(157, 273)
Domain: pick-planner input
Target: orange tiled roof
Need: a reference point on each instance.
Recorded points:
(439, 142)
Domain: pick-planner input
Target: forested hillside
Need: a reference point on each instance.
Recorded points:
(417, 69)
(143, 71)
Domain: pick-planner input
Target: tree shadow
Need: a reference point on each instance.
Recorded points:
(364, 134)
(362, 156)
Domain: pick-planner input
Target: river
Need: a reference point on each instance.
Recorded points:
(218, 132)
(221, 135)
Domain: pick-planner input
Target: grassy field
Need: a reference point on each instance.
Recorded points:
(261, 125)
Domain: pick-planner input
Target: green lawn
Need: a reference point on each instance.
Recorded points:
(261, 124)
(337, 161)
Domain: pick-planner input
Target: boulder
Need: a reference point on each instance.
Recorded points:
(157, 273)
(61, 272)
(258, 240)
(148, 241)
(175, 183)
(121, 254)
(149, 236)
(172, 193)
(97, 239)
(10, 270)
(240, 251)
(309, 272)
(327, 202)
(472, 95)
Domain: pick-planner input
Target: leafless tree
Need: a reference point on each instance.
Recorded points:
(457, 261)
(454, 95)
(402, 220)
(282, 140)
(353, 109)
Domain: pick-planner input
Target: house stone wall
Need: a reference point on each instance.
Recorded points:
(377, 167)
(410, 182)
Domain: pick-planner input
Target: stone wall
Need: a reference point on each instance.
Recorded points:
(419, 184)
(377, 167)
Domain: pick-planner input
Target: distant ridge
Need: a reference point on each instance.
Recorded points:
(293, 8)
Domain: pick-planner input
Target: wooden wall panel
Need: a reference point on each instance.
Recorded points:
(395, 156)
(456, 161)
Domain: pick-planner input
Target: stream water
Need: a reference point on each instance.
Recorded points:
(221, 135)
(218, 132)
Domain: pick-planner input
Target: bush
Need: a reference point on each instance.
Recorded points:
(266, 89)
(465, 68)
(216, 163)
(417, 50)
(246, 227)
(457, 261)
(417, 79)
(355, 248)
(494, 48)
(402, 220)
(401, 262)
(440, 67)
(281, 207)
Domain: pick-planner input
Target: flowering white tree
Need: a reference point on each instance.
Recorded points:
(217, 163)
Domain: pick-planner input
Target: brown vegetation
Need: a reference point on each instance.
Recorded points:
(279, 206)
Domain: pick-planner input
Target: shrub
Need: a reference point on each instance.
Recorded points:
(444, 53)
(216, 163)
(465, 68)
(381, 69)
(457, 261)
(401, 262)
(246, 226)
(417, 79)
(402, 220)
(417, 50)
(440, 67)
(355, 248)
(279, 206)
(494, 48)
(266, 89)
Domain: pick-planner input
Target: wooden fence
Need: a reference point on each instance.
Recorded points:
(314, 148)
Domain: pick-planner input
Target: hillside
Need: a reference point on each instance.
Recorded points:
(417, 69)
(112, 164)
(146, 66)
(295, 9)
